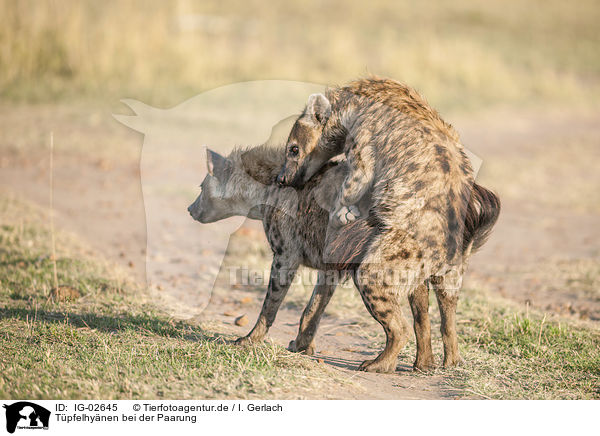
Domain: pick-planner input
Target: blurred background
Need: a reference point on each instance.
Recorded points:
(460, 55)
(519, 80)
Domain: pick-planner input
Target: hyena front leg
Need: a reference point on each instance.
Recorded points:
(447, 298)
(361, 164)
(419, 304)
(283, 271)
(305, 341)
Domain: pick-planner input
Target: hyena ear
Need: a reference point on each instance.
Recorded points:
(218, 166)
(319, 108)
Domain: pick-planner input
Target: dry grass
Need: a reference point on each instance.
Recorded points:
(459, 54)
(513, 353)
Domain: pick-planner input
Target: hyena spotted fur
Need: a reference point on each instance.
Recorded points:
(296, 225)
(421, 183)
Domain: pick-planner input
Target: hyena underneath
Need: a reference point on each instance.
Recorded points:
(296, 225)
(421, 182)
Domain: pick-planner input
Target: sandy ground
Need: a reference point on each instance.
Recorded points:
(544, 251)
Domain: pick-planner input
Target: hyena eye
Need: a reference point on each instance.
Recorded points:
(294, 150)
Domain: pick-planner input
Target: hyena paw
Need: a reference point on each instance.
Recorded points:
(424, 365)
(309, 350)
(243, 341)
(380, 366)
(346, 214)
(452, 361)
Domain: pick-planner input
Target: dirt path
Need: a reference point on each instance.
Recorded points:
(537, 247)
(339, 344)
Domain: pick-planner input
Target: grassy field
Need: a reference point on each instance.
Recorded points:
(105, 339)
(516, 354)
(461, 55)
(102, 339)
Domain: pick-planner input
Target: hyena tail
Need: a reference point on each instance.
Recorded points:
(347, 250)
(482, 214)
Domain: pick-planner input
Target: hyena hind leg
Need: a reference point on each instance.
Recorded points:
(419, 304)
(383, 305)
(447, 301)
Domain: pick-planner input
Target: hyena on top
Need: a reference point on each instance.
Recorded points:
(296, 225)
(421, 182)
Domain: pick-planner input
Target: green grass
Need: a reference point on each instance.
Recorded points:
(113, 343)
(516, 354)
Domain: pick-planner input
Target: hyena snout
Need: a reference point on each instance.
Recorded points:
(287, 176)
(195, 210)
(281, 178)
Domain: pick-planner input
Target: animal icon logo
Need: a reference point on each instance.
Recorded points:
(26, 415)
(183, 259)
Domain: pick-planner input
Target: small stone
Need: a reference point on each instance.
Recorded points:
(230, 313)
(246, 300)
(130, 264)
(241, 321)
(320, 361)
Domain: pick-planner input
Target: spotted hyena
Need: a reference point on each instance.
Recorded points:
(296, 225)
(421, 183)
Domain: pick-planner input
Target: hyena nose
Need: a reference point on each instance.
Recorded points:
(190, 209)
(281, 178)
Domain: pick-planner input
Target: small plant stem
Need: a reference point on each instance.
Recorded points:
(52, 209)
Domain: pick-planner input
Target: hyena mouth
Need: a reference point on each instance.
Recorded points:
(294, 180)
(297, 181)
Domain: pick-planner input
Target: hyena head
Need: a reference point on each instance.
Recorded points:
(304, 152)
(227, 190)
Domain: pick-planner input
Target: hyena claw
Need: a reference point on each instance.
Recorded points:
(346, 214)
